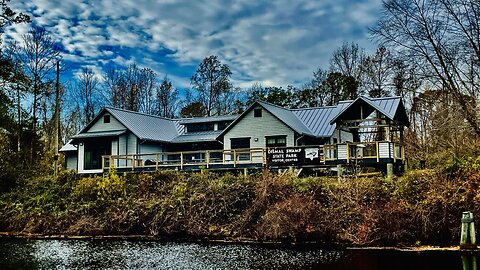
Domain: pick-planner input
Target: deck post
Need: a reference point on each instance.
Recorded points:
(103, 163)
(234, 158)
(207, 158)
(133, 162)
(156, 162)
(378, 151)
(245, 171)
(389, 170)
(181, 160)
(339, 171)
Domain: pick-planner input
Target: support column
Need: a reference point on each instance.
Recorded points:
(339, 171)
(389, 170)
(467, 233)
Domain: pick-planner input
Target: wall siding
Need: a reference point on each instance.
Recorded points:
(342, 151)
(81, 157)
(71, 160)
(385, 150)
(150, 148)
(100, 126)
(258, 127)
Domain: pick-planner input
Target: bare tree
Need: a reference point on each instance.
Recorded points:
(87, 91)
(443, 36)
(132, 88)
(38, 54)
(348, 60)
(378, 72)
(167, 98)
(211, 80)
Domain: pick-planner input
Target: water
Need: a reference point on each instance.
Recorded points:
(84, 254)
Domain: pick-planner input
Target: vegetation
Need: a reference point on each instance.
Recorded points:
(420, 207)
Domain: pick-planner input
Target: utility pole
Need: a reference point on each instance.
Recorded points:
(57, 118)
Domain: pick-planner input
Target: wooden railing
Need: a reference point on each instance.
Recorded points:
(345, 152)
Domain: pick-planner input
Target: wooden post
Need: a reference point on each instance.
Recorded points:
(245, 171)
(378, 151)
(467, 232)
(207, 158)
(103, 164)
(339, 171)
(181, 160)
(156, 162)
(234, 158)
(133, 162)
(389, 170)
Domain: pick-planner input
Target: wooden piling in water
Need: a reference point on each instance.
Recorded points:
(467, 232)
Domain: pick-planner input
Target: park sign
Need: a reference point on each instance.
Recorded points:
(293, 156)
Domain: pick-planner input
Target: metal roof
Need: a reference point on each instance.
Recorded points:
(318, 120)
(388, 106)
(206, 136)
(99, 134)
(208, 119)
(146, 127)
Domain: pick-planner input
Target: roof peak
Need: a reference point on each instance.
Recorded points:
(140, 113)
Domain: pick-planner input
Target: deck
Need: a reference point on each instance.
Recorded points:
(363, 154)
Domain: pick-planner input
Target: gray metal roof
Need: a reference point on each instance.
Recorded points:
(208, 119)
(318, 120)
(99, 134)
(146, 127)
(206, 136)
(388, 106)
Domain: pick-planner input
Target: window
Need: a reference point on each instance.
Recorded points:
(106, 119)
(240, 143)
(276, 141)
(93, 152)
(257, 113)
(199, 127)
(223, 125)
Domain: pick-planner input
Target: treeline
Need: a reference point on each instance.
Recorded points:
(428, 54)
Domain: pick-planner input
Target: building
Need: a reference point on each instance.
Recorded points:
(366, 131)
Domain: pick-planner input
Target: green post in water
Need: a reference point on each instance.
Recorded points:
(467, 233)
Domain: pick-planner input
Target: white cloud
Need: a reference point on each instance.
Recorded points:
(274, 42)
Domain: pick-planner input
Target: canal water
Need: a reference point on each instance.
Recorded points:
(85, 254)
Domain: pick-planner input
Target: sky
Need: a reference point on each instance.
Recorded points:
(275, 43)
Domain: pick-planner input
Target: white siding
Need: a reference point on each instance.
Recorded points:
(258, 127)
(132, 144)
(100, 126)
(385, 150)
(150, 148)
(71, 160)
(342, 151)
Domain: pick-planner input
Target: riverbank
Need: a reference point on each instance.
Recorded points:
(420, 208)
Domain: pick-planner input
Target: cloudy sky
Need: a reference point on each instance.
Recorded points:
(276, 42)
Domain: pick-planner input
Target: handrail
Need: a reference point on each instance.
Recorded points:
(241, 156)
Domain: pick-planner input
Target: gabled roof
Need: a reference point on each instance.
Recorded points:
(391, 107)
(205, 136)
(68, 147)
(320, 122)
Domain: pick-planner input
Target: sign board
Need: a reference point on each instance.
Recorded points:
(293, 156)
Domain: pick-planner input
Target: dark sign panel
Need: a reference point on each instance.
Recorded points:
(293, 156)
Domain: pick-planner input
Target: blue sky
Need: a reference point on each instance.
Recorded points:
(277, 42)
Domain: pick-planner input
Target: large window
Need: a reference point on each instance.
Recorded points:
(276, 141)
(223, 124)
(94, 152)
(241, 143)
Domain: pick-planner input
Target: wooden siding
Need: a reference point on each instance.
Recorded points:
(100, 126)
(150, 148)
(259, 127)
(71, 160)
(342, 151)
(385, 150)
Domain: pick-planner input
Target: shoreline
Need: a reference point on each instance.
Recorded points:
(238, 241)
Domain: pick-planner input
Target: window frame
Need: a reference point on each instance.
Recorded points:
(277, 141)
(257, 112)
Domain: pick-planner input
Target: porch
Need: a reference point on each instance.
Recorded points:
(374, 154)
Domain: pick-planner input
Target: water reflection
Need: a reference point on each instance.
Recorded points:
(76, 254)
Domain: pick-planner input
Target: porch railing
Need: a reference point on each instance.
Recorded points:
(345, 152)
